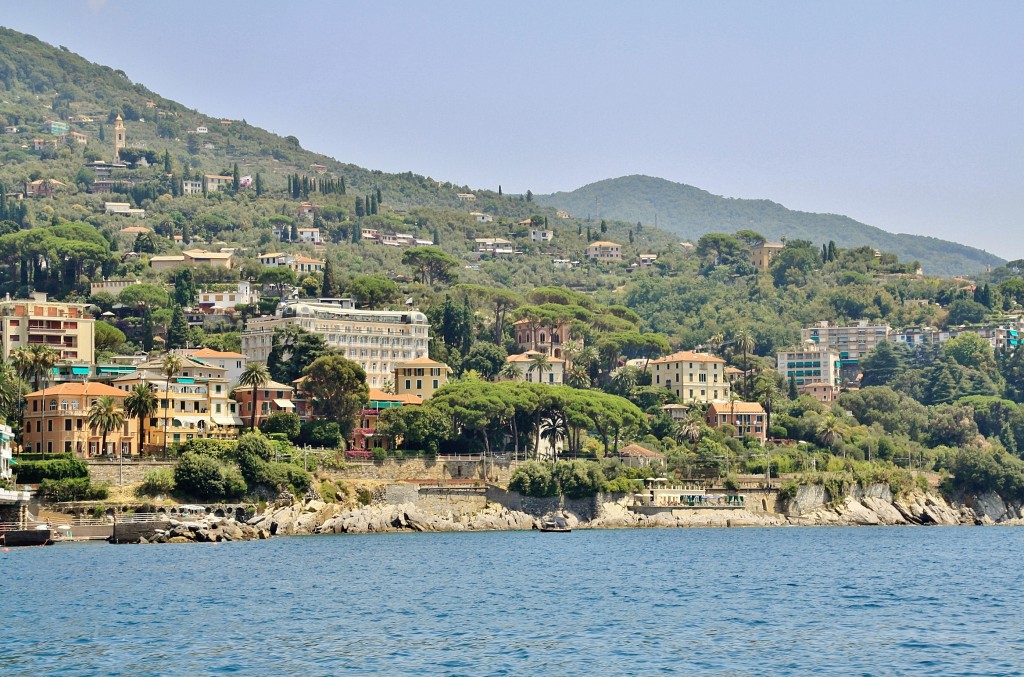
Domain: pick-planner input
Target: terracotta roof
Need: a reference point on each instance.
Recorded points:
(271, 254)
(210, 352)
(604, 243)
(377, 395)
(422, 362)
(735, 407)
(135, 229)
(687, 356)
(306, 259)
(636, 451)
(97, 389)
(269, 385)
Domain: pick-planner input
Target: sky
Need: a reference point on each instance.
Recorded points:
(906, 115)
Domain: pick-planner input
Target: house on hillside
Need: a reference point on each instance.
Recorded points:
(636, 456)
(604, 251)
(761, 256)
(526, 364)
(44, 187)
(421, 377)
(748, 418)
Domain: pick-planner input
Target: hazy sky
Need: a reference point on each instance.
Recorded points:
(904, 115)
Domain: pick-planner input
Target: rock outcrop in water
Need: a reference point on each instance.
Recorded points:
(205, 530)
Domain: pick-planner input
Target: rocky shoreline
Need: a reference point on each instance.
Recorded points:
(811, 506)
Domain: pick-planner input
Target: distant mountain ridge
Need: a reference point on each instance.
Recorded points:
(691, 212)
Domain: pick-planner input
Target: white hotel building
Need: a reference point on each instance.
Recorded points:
(376, 340)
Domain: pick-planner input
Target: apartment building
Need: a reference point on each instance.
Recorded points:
(811, 363)
(65, 327)
(271, 398)
(377, 340)
(693, 377)
(56, 421)
(191, 257)
(213, 183)
(852, 342)
(299, 264)
(232, 363)
(194, 404)
(214, 301)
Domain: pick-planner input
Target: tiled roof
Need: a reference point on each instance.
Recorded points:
(687, 356)
(96, 389)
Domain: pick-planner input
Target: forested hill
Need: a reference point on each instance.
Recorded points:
(692, 212)
(39, 82)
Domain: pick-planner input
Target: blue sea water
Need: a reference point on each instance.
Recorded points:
(796, 601)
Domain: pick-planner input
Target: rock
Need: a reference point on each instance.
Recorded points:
(989, 505)
(887, 514)
(142, 540)
(854, 512)
(179, 539)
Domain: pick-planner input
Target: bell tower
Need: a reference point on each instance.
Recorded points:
(118, 138)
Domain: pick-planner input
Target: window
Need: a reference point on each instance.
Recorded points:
(419, 384)
(49, 426)
(67, 424)
(435, 384)
(53, 405)
(408, 384)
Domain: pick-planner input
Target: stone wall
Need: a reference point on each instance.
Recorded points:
(437, 500)
(585, 509)
(397, 470)
(134, 471)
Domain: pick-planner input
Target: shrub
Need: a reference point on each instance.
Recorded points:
(379, 454)
(34, 472)
(325, 434)
(364, 496)
(158, 482)
(285, 423)
(624, 485)
(199, 476)
(533, 479)
(72, 489)
(219, 449)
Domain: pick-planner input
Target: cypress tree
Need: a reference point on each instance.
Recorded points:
(330, 285)
(437, 235)
(359, 211)
(147, 329)
(178, 332)
(236, 179)
(373, 204)
(631, 236)
(579, 229)
(341, 185)
(604, 227)
(793, 392)
(167, 161)
(259, 184)
(499, 190)
(380, 200)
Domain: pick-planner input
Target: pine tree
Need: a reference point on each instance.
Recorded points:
(289, 184)
(824, 253)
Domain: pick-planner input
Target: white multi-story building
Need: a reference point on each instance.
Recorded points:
(810, 363)
(66, 327)
(377, 340)
(214, 301)
(853, 342)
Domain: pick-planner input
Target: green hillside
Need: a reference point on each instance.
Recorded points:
(692, 212)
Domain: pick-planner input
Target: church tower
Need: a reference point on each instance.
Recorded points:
(118, 138)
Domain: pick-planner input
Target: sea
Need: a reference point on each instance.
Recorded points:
(781, 601)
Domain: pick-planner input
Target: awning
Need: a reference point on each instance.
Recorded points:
(79, 370)
(228, 420)
(285, 404)
(12, 461)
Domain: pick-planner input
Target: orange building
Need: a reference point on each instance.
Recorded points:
(272, 397)
(748, 418)
(57, 422)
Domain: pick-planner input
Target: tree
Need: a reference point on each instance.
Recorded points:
(294, 348)
(185, 288)
(768, 393)
(541, 364)
(330, 283)
(338, 389)
(414, 427)
(831, 431)
(35, 363)
(882, 366)
(744, 342)
(105, 416)
(178, 334)
(255, 376)
(283, 423)
(486, 359)
(719, 249)
(258, 183)
(372, 291)
(107, 336)
(965, 311)
(141, 404)
(692, 427)
(235, 178)
(432, 264)
(170, 365)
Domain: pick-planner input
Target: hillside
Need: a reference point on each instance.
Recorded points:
(691, 212)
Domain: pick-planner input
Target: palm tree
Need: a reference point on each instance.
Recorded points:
(830, 431)
(716, 341)
(141, 404)
(10, 390)
(42, 361)
(540, 363)
(577, 377)
(105, 416)
(510, 372)
(744, 342)
(254, 376)
(767, 390)
(169, 366)
(691, 428)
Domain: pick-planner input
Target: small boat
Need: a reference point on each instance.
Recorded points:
(554, 523)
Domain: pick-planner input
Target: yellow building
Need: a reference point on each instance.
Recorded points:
(553, 374)
(194, 405)
(65, 327)
(57, 422)
(692, 376)
(420, 377)
(191, 257)
(762, 255)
